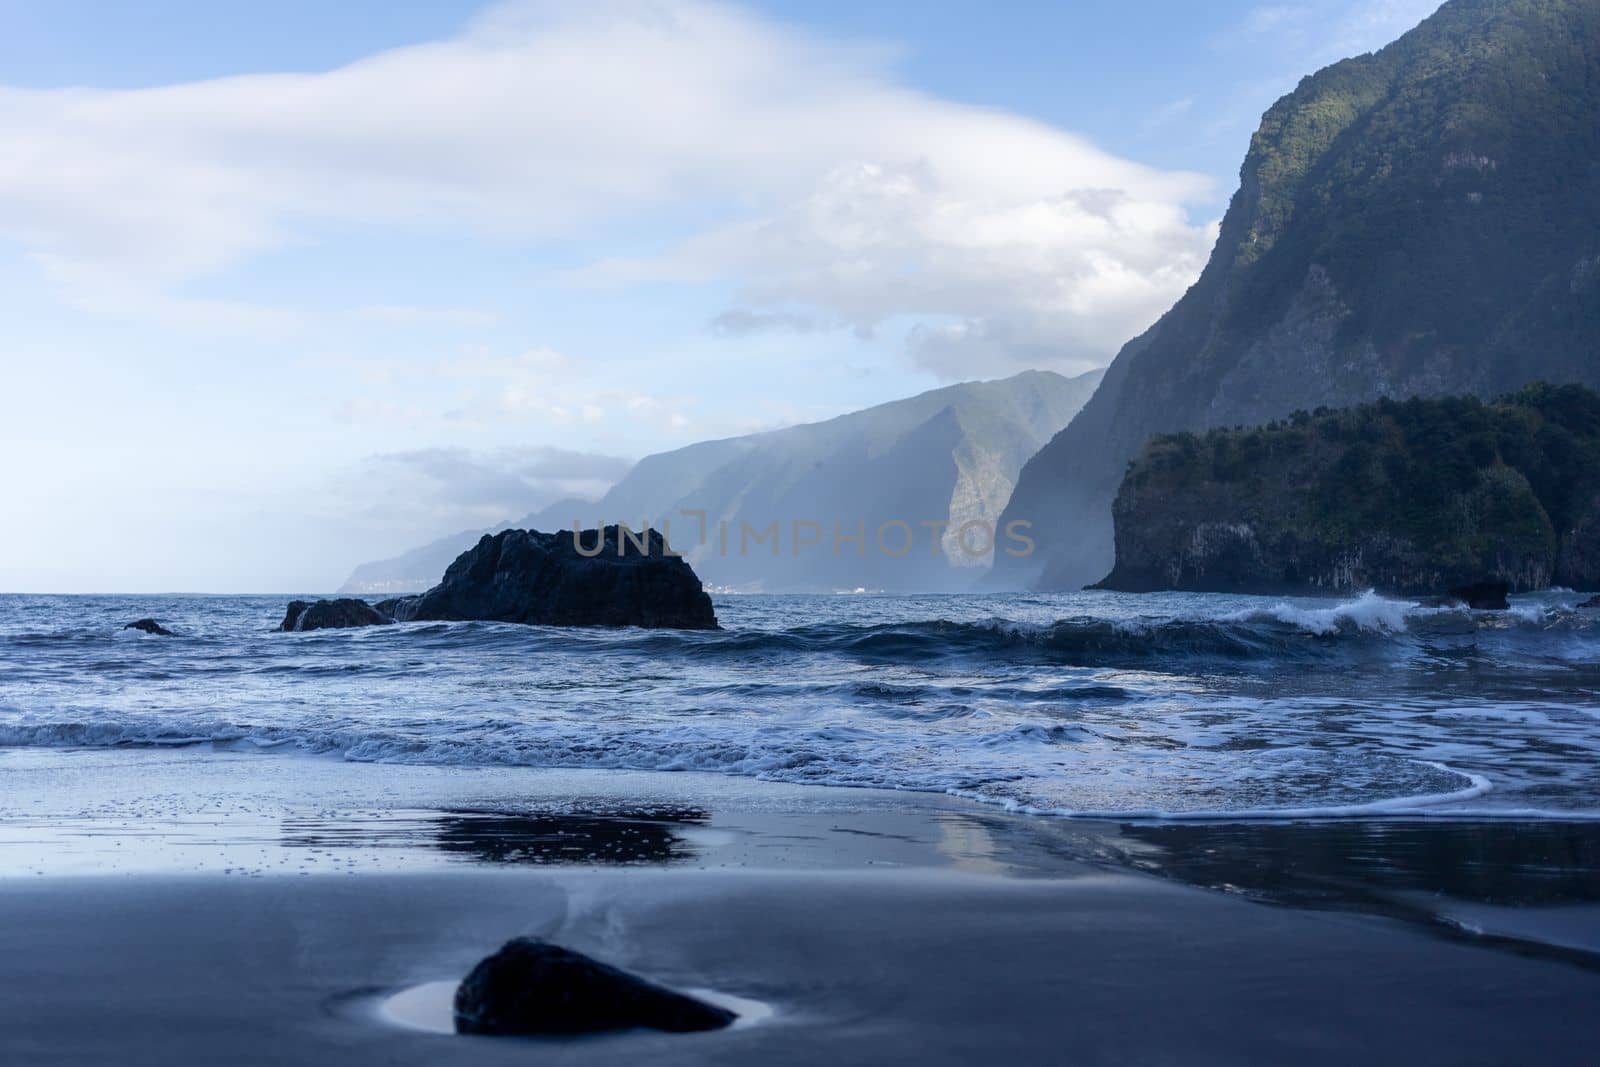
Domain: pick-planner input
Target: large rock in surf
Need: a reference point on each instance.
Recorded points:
(596, 578)
(332, 615)
(531, 987)
(150, 626)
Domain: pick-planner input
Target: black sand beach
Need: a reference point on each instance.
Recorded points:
(878, 927)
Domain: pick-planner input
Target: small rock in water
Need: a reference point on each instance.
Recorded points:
(1484, 596)
(150, 626)
(332, 614)
(1592, 602)
(531, 987)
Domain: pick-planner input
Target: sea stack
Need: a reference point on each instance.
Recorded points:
(607, 577)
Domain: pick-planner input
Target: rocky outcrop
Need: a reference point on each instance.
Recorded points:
(1445, 497)
(344, 613)
(609, 577)
(150, 626)
(1417, 221)
(1579, 560)
(532, 988)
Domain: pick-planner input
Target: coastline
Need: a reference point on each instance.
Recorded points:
(878, 926)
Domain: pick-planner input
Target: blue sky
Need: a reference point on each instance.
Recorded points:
(292, 286)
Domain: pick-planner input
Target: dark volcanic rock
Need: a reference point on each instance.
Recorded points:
(543, 579)
(532, 987)
(332, 615)
(150, 626)
(1484, 596)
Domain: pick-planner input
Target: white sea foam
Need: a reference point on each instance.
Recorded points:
(1180, 706)
(1534, 613)
(1369, 612)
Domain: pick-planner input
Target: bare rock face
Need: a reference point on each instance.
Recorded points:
(605, 577)
(608, 577)
(332, 615)
(532, 988)
(1579, 564)
(150, 626)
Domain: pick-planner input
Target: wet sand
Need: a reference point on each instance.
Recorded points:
(879, 927)
(916, 967)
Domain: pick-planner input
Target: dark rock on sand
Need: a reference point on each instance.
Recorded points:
(1483, 596)
(332, 615)
(150, 626)
(543, 579)
(531, 987)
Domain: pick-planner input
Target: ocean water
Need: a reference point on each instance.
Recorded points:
(1091, 704)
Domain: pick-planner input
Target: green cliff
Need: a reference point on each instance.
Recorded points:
(1424, 220)
(1414, 497)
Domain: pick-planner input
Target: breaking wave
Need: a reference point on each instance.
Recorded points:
(1180, 706)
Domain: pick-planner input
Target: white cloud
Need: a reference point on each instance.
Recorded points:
(477, 389)
(1312, 34)
(552, 387)
(1167, 114)
(416, 315)
(1076, 271)
(857, 200)
(434, 488)
(1368, 26)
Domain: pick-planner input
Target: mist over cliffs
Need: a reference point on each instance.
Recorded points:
(1423, 220)
(948, 456)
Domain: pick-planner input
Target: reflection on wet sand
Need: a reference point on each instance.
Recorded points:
(1528, 886)
(649, 835)
(1346, 864)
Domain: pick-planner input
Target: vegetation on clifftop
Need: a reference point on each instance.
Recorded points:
(1411, 496)
(1423, 220)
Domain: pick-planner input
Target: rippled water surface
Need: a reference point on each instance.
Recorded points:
(1091, 703)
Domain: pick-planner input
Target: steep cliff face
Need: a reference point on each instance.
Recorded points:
(1419, 497)
(949, 455)
(1422, 221)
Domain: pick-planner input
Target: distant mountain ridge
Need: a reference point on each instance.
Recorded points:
(950, 455)
(1424, 220)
